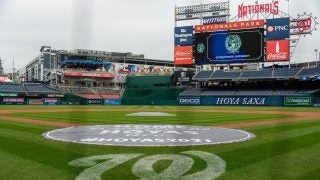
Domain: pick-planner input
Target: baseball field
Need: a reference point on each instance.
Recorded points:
(286, 144)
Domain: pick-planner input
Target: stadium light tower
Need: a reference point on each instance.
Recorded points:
(316, 51)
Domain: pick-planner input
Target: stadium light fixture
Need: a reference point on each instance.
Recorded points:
(316, 51)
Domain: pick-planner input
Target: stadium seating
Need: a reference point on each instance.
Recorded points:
(254, 93)
(266, 73)
(285, 72)
(309, 72)
(286, 93)
(110, 96)
(38, 88)
(203, 75)
(12, 88)
(220, 75)
(218, 93)
(192, 92)
(91, 96)
(259, 74)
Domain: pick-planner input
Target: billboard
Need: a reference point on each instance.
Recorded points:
(278, 28)
(214, 20)
(94, 101)
(81, 57)
(112, 102)
(3, 79)
(183, 76)
(201, 10)
(224, 47)
(230, 26)
(278, 50)
(297, 101)
(242, 100)
(183, 55)
(84, 74)
(189, 101)
(8, 100)
(271, 8)
(183, 36)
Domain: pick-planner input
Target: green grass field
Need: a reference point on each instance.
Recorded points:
(288, 150)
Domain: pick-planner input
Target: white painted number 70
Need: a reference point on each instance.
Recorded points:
(143, 168)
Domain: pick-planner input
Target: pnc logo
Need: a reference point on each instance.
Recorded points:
(278, 28)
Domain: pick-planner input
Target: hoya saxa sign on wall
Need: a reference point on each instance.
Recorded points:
(278, 28)
(278, 50)
(183, 55)
(242, 100)
(183, 35)
(234, 46)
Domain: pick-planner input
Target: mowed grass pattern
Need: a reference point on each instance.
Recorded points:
(282, 151)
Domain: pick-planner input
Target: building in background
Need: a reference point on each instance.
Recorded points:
(1, 68)
(81, 67)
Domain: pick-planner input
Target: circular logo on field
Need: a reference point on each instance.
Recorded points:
(148, 135)
(233, 43)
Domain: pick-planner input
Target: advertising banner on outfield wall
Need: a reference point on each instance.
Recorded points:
(112, 101)
(226, 47)
(94, 101)
(278, 28)
(278, 50)
(183, 36)
(9, 100)
(183, 55)
(189, 101)
(51, 101)
(297, 101)
(242, 100)
(35, 101)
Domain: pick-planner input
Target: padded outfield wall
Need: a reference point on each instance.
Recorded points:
(150, 90)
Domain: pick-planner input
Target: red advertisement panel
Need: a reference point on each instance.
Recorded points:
(230, 25)
(84, 74)
(183, 55)
(3, 78)
(278, 50)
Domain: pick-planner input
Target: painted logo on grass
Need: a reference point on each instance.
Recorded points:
(144, 168)
(148, 135)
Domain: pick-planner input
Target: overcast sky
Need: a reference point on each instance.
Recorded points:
(137, 26)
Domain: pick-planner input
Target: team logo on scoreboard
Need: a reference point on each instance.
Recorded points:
(200, 48)
(233, 43)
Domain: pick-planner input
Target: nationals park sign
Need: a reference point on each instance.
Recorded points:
(148, 135)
